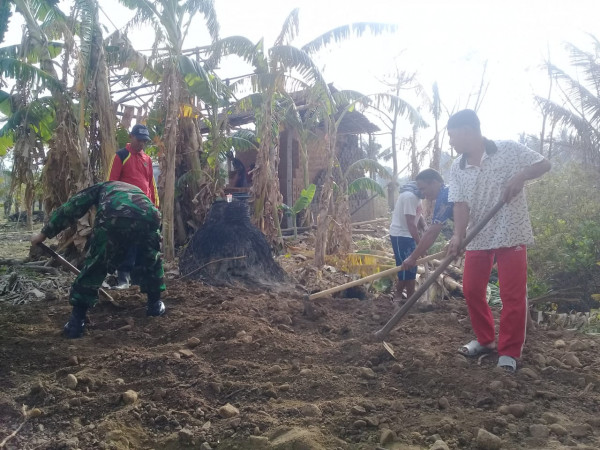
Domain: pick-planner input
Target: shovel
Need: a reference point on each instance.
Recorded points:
(382, 334)
(71, 268)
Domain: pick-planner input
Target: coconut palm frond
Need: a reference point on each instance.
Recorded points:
(391, 103)
(369, 165)
(290, 29)
(344, 32)
(578, 94)
(365, 184)
(564, 115)
(587, 64)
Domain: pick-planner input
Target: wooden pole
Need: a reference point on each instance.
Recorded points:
(381, 334)
(375, 276)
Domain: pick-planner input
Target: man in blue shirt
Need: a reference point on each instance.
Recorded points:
(431, 185)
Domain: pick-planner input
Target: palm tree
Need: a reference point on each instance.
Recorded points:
(391, 108)
(578, 105)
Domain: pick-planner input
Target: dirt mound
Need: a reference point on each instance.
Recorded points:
(228, 249)
(240, 368)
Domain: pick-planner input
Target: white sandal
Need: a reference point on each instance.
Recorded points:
(507, 363)
(474, 348)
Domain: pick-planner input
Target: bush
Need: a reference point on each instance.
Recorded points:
(565, 215)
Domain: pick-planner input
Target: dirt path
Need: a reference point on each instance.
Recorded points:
(237, 369)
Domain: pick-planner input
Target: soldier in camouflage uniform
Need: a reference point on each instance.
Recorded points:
(125, 216)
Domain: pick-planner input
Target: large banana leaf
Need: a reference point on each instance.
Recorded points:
(33, 57)
(205, 85)
(243, 140)
(346, 31)
(290, 29)
(305, 199)
(291, 57)
(18, 70)
(369, 165)
(365, 184)
(5, 14)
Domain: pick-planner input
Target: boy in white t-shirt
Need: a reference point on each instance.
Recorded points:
(404, 234)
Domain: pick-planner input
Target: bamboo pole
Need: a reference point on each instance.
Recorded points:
(375, 276)
(367, 222)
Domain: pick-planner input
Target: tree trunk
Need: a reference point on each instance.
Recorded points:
(324, 218)
(167, 159)
(22, 172)
(340, 234)
(394, 183)
(103, 105)
(64, 172)
(437, 150)
(190, 167)
(266, 196)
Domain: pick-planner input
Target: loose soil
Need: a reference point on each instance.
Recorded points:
(233, 368)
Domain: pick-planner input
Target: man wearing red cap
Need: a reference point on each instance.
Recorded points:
(132, 165)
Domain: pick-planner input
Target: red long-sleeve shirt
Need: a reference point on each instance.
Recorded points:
(134, 168)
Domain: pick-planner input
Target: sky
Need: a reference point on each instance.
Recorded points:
(448, 42)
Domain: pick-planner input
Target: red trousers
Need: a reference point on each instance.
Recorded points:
(512, 278)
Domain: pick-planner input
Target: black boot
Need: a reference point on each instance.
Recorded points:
(75, 327)
(154, 306)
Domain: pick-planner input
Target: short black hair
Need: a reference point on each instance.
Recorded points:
(429, 175)
(464, 118)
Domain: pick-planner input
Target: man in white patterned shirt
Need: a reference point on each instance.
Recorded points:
(485, 173)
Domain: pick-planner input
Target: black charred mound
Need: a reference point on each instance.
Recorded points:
(226, 234)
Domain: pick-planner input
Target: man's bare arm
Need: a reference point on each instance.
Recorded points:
(461, 220)
(515, 184)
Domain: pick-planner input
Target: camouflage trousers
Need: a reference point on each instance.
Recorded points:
(108, 247)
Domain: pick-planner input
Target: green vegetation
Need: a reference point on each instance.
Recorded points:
(565, 215)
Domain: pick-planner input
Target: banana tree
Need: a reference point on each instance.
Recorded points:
(96, 116)
(171, 21)
(28, 119)
(270, 103)
(66, 160)
(303, 202)
(276, 72)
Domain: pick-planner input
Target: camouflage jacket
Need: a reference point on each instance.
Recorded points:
(112, 199)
